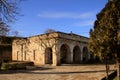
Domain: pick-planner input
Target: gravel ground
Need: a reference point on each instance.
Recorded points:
(65, 72)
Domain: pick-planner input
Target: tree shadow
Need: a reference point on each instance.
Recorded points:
(43, 71)
(24, 70)
(75, 72)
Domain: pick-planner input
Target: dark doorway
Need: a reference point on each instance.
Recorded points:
(76, 54)
(64, 53)
(85, 54)
(48, 56)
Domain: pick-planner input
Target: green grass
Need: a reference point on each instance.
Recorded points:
(115, 78)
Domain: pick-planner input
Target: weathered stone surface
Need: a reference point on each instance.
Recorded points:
(54, 48)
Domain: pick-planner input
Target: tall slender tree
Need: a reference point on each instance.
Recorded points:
(105, 36)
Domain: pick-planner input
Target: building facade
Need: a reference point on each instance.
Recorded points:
(52, 48)
(6, 48)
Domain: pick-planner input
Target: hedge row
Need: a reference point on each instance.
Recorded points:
(15, 65)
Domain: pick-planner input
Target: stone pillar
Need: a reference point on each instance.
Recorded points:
(81, 48)
(54, 60)
(43, 55)
(56, 56)
(71, 55)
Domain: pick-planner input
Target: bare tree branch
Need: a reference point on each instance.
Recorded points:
(8, 10)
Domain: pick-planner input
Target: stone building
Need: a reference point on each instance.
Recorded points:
(54, 48)
(6, 48)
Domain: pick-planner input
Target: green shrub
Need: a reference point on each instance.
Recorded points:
(15, 65)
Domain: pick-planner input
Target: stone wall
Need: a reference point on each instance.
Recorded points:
(53, 48)
(6, 48)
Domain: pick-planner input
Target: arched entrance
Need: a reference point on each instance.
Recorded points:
(85, 54)
(48, 56)
(64, 54)
(76, 54)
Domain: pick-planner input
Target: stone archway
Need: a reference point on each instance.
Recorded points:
(64, 54)
(85, 54)
(48, 56)
(76, 54)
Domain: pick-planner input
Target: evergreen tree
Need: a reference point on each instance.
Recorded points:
(105, 36)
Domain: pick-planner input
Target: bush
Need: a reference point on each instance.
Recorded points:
(15, 65)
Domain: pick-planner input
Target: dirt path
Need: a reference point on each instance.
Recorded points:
(66, 72)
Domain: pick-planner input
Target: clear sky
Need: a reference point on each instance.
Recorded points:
(77, 16)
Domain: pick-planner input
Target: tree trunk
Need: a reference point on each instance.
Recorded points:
(118, 70)
(107, 69)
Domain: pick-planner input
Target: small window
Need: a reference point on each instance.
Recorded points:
(17, 55)
(34, 54)
(25, 55)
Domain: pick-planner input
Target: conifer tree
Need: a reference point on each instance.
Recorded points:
(105, 36)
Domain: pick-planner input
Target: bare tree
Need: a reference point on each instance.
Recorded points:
(48, 41)
(8, 13)
(4, 29)
(15, 33)
(49, 30)
(8, 10)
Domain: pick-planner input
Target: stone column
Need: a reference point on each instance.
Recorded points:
(81, 48)
(71, 55)
(56, 56)
(54, 60)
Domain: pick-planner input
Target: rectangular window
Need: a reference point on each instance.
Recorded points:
(34, 55)
(17, 55)
(25, 55)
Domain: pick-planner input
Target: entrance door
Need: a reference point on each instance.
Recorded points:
(48, 56)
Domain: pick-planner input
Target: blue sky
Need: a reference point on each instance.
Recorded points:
(77, 16)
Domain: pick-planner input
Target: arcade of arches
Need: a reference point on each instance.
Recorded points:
(54, 48)
(66, 56)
